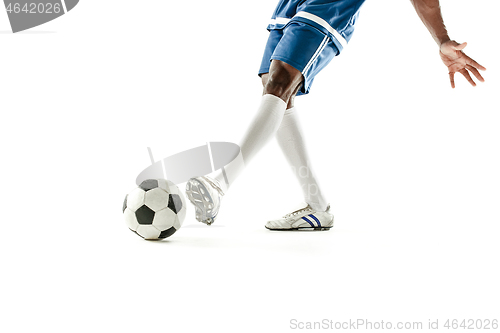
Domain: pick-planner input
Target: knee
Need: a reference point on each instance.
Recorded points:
(281, 86)
(277, 85)
(282, 82)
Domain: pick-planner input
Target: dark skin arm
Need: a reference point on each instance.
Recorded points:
(450, 51)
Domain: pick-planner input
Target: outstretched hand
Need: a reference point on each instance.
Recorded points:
(458, 62)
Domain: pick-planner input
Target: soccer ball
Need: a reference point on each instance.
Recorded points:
(155, 210)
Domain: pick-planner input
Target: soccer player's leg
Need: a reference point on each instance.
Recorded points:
(314, 214)
(206, 192)
(299, 48)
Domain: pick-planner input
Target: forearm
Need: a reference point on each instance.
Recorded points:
(429, 12)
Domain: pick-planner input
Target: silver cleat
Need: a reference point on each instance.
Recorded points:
(205, 194)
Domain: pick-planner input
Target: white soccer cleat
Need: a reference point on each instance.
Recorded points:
(205, 194)
(304, 218)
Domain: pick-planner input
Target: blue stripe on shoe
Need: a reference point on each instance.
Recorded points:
(315, 219)
(307, 220)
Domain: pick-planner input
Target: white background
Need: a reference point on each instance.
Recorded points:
(410, 167)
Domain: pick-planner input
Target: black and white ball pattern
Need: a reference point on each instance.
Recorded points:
(155, 209)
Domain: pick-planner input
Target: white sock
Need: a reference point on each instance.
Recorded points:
(263, 127)
(291, 141)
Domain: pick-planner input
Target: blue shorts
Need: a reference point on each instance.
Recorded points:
(301, 46)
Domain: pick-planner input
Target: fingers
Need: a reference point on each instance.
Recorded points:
(475, 72)
(458, 62)
(460, 47)
(467, 76)
(472, 62)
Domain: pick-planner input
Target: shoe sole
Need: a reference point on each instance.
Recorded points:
(302, 229)
(200, 197)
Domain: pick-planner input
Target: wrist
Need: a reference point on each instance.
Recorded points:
(440, 40)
